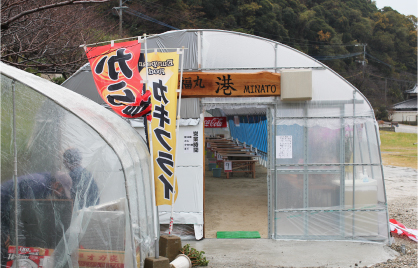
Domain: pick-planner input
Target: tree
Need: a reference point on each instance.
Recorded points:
(45, 35)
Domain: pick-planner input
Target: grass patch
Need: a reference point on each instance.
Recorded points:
(398, 149)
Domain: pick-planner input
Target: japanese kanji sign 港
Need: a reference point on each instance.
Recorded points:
(117, 78)
(206, 84)
(162, 82)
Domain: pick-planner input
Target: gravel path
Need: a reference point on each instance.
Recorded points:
(401, 191)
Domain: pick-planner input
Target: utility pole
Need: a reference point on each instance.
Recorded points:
(363, 62)
(120, 18)
(119, 9)
(386, 89)
(364, 59)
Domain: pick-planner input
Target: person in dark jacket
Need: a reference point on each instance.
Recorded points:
(84, 191)
(30, 187)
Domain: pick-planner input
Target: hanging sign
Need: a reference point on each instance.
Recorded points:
(228, 166)
(117, 78)
(219, 157)
(205, 84)
(162, 82)
(284, 147)
(236, 121)
(215, 122)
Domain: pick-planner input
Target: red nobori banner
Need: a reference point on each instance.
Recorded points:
(215, 122)
(116, 74)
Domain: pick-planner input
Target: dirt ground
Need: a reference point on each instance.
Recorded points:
(236, 204)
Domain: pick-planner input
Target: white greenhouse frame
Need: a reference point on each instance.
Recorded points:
(337, 108)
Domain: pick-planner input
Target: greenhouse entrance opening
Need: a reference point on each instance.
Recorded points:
(236, 201)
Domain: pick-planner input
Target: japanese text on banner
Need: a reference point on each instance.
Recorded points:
(116, 73)
(162, 81)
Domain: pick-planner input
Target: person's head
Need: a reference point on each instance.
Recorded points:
(72, 158)
(61, 184)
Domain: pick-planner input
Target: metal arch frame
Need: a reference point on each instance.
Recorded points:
(105, 140)
(322, 66)
(271, 131)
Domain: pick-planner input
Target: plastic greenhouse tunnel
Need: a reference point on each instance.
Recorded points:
(75, 182)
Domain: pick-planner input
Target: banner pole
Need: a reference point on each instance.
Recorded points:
(151, 152)
(179, 51)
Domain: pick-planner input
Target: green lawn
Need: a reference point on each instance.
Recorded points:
(399, 149)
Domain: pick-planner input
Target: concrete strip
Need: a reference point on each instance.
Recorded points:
(406, 129)
(278, 253)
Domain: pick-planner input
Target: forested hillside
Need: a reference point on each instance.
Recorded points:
(376, 50)
(339, 33)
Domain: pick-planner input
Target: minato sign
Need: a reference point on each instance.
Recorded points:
(203, 84)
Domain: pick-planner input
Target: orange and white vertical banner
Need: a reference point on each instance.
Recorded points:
(162, 81)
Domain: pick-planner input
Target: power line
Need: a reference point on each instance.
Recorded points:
(145, 17)
(321, 58)
(337, 56)
(390, 66)
(394, 79)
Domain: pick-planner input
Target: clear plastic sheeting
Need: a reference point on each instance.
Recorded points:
(327, 173)
(184, 231)
(323, 156)
(171, 40)
(83, 191)
(234, 104)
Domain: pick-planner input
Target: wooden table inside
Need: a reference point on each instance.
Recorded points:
(240, 162)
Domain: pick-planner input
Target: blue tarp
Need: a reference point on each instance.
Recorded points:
(252, 130)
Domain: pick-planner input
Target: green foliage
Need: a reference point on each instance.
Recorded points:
(382, 113)
(58, 80)
(194, 255)
(34, 71)
(315, 27)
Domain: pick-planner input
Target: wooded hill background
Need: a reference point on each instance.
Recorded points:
(333, 31)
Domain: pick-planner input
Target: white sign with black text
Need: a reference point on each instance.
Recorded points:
(284, 147)
(191, 141)
(228, 166)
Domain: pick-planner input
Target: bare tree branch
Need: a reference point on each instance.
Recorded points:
(48, 40)
(5, 25)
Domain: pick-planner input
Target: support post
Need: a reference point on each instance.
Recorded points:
(15, 177)
(180, 51)
(120, 18)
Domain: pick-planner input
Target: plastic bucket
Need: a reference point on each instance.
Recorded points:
(212, 166)
(181, 261)
(217, 172)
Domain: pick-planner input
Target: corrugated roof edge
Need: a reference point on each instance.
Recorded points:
(413, 101)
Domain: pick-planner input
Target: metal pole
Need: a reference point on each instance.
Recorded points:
(354, 164)
(274, 162)
(177, 133)
(120, 17)
(15, 177)
(305, 171)
(342, 170)
(151, 152)
(364, 58)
